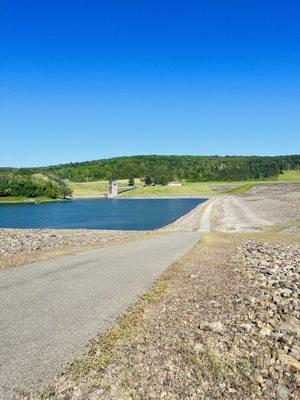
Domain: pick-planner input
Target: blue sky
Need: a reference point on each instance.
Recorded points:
(83, 80)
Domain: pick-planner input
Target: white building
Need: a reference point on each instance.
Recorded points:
(174, 184)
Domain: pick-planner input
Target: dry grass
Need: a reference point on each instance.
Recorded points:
(89, 189)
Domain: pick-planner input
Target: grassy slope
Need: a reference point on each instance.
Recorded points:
(203, 188)
(286, 177)
(23, 199)
(10, 199)
(100, 188)
(290, 176)
(240, 189)
(187, 189)
(96, 189)
(89, 189)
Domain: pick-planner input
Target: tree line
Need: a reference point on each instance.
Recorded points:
(38, 185)
(162, 169)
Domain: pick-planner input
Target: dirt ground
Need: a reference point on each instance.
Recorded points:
(274, 208)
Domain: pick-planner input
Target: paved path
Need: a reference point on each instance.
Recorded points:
(49, 310)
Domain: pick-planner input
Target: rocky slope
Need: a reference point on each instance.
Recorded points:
(264, 207)
(19, 246)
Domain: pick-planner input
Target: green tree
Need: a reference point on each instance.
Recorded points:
(193, 168)
(148, 180)
(161, 180)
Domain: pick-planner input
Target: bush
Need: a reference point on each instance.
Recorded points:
(148, 180)
(33, 186)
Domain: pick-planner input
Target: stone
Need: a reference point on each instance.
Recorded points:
(292, 326)
(199, 348)
(295, 352)
(292, 364)
(265, 331)
(246, 327)
(215, 327)
(282, 392)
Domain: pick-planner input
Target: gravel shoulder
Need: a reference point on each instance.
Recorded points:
(189, 221)
(269, 207)
(221, 323)
(23, 246)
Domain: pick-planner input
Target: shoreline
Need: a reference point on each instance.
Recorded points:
(166, 197)
(145, 197)
(189, 221)
(20, 246)
(32, 200)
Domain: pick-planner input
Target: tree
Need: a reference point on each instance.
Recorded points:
(65, 192)
(36, 185)
(148, 180)
(131, 181)
(192, 168)
(161, 180)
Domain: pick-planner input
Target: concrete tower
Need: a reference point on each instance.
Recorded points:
(113, 189)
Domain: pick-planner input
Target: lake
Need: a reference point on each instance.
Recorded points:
(124, 214)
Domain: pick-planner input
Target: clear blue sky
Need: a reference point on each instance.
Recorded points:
(83, 80)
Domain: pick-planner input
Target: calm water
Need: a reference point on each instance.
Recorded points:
(96, 214)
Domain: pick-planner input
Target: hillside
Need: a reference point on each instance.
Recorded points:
(164, 168)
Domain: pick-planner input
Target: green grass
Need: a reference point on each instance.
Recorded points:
(286, 177)
(96, 189)
(100, 188)
(187, 189)
(89, 189)
(289, 176)
(240, 189)
(12, 199)
(23, 199)
(124, 182)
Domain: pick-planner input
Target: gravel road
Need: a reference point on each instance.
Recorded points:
(50, 309)
(264, 207)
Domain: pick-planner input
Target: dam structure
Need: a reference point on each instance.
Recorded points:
(113, 188)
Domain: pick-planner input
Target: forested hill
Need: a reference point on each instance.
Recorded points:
(194, 168)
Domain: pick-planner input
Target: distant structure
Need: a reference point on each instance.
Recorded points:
(113, 189)
(174, 184)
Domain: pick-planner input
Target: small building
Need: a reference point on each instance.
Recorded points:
(174, 184)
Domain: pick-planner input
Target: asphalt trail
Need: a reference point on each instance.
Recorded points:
(50, 309)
